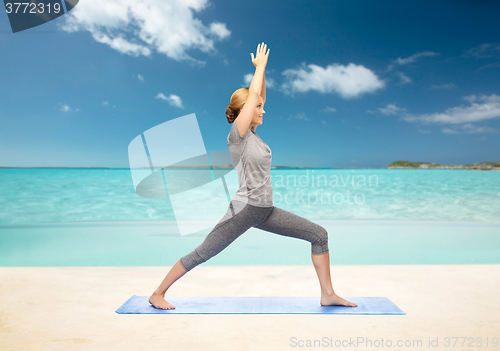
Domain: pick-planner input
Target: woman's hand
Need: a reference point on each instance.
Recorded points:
(261, 57)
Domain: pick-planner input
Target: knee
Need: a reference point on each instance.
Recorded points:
(192, 260)
(322, 235)
(321, 245)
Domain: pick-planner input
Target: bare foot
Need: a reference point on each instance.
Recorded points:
(159, 301)
(331, 300)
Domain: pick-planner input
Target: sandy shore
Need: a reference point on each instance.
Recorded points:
(74, 308)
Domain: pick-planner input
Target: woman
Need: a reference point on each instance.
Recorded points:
(252, 205)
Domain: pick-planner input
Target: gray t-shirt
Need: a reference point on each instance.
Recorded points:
(252, 159)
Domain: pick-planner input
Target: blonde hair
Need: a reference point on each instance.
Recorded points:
(236, 103)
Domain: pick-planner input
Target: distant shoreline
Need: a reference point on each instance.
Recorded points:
(483, 166)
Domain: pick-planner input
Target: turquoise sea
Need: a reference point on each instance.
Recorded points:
(93, 217)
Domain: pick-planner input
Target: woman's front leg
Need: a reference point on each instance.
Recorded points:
(328, 297)
(321, 264)
(157, 299)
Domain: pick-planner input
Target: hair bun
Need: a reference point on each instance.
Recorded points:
(237, 102)
(230, 114)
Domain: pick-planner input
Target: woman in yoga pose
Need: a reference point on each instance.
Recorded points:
(252, 205)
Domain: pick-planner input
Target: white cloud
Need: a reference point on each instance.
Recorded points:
(247, 79)
(299, 116)
(219, 29)
(66, 108)
(404, 78)
(481, 108)
(330, 109)
(414, 57)
(468, 129)
(486, 50)
(443, 86)
(104, 103)
(141, 78)
(404, 61)
(137, 27)
(391, 109)
(348, 81)
(173, 100)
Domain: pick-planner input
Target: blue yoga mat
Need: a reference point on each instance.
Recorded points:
(259, 305)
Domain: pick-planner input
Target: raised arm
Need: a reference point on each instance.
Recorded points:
(263, 92)
(245, 117)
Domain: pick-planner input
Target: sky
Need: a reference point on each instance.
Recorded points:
(349, 83)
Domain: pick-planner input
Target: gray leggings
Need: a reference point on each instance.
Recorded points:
(241, 216)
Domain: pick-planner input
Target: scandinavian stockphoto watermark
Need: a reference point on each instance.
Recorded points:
(311, 188)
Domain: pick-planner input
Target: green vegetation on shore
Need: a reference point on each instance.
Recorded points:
(427, 165)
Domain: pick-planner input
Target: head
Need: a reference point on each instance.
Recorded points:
(237, 102)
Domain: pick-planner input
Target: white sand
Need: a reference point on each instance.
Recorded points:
(74, 308)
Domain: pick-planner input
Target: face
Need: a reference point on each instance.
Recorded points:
(259, 112)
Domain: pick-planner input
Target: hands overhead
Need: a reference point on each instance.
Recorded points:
(261, 56)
